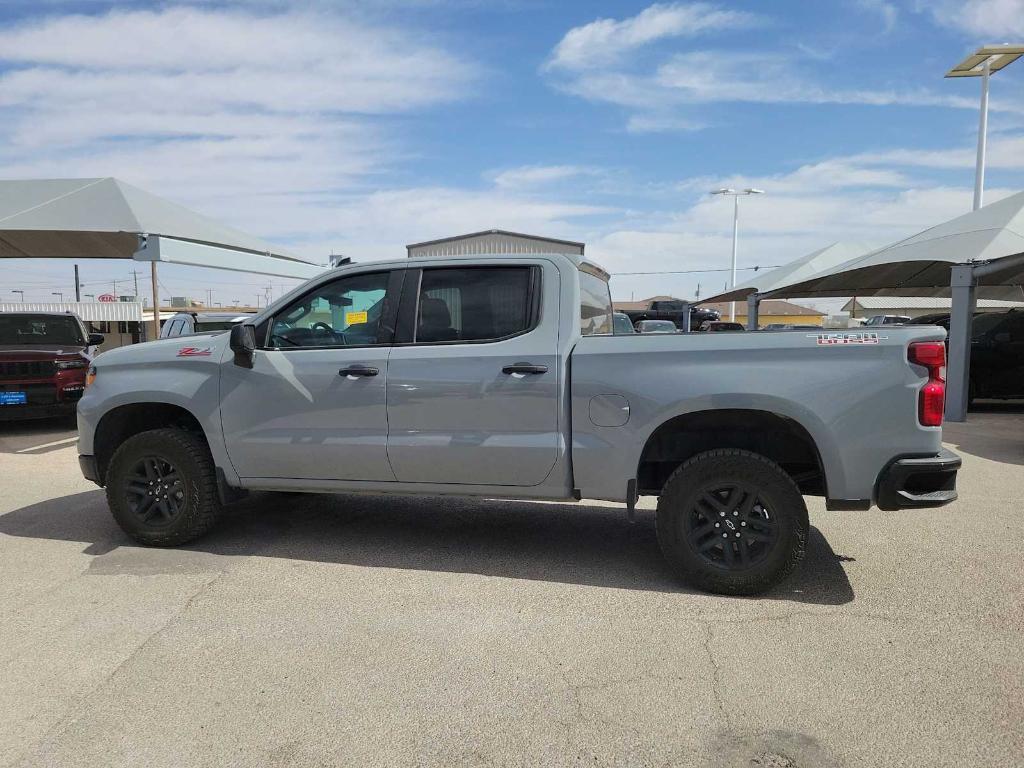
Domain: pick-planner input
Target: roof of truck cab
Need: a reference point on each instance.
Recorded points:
(577, 261)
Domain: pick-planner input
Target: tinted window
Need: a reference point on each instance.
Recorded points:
(595, 305)
(474, 304)
(41, 329)
(346, 312)
(214, 325)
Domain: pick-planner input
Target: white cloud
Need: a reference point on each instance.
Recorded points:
(655, 123)
(615, 62)
(216, 108)
(528, 176)
(995, 18)
(887, 11)
(603, 41)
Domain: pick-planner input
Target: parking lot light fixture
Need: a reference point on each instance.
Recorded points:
(735, 194)
(22, 295)
(61, 295)
(982, 63)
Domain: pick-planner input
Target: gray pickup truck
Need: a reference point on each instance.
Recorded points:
(501, 377)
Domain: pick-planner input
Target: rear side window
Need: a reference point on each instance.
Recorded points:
(474, 303)
(595, 305)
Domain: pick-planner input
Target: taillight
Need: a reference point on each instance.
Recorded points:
(931, 401)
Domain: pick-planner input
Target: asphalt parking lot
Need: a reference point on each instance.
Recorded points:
(317, 630)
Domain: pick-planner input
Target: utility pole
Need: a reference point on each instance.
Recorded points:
(135, 276)
(78, 286)
(156, 301)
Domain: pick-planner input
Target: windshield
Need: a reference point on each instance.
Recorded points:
(63, 330)
(658, 325)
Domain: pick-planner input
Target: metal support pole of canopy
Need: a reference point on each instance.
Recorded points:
(753, 305)
(963, 288)
(686, 316)
(156, 302)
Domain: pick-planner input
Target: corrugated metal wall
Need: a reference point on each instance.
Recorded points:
(492, 243)
(125, 311)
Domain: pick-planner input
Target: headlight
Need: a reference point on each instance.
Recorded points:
(90, 377)
(66, 365)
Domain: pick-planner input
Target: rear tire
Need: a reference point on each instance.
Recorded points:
(162, 487)
(732, 522)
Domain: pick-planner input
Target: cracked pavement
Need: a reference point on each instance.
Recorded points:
(372, 630)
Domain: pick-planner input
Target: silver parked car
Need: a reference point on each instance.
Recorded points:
(189, 323)
(656, 326)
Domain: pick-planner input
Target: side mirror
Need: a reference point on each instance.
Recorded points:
(95, 339)
(243, 344)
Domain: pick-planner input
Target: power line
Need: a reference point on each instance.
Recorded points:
(696, 271)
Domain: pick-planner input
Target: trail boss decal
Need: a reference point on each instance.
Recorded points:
(195, 352)
(839, 339)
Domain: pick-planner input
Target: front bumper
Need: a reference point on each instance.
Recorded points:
(918, 481)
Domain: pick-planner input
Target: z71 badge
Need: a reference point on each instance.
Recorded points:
(839, 339)
(195, 352)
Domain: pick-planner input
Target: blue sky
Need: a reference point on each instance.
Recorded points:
(359, 127)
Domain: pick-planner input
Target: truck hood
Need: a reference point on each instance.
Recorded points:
(209, 347)
(34, 352)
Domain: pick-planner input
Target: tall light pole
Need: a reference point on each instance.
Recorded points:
(22, 295)
(58, 293)
(735, 194)
(982, 63)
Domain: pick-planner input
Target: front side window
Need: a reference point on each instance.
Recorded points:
(474, 304)
(343, 313)
(595, 305)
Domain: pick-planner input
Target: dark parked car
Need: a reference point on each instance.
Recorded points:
(717, 326)
(997, 352)
(43, 361)
(188, 323)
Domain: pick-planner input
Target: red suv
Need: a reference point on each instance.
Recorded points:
(44, 357)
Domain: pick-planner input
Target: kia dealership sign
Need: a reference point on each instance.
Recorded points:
(106, 297)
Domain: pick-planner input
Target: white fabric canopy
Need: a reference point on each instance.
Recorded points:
(103, 218)
(920, 265)
(814, 263)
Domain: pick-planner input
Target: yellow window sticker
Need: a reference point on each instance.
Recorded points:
(351, 318)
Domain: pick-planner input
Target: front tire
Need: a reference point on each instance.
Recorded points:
(732, 522)
(162, 487)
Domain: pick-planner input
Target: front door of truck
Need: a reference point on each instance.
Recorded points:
(474, 377)
(313, 404)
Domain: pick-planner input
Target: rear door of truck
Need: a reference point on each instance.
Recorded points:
(474, 376)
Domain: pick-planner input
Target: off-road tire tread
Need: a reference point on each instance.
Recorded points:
(705, 578)
(204, 508)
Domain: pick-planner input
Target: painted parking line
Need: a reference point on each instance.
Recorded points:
(54, 444)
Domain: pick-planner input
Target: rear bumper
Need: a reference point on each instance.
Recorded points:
(918, 481)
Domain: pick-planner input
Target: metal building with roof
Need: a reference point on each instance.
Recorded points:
(493, 241)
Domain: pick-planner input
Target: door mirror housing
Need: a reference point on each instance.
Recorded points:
(243, 344)
(95, 339)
